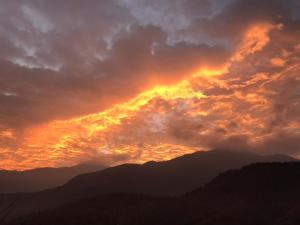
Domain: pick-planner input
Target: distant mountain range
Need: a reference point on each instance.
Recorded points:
(168, 178)
(42, 178)
(259, 194)
(173, 177)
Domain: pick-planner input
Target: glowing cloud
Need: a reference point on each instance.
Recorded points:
(131, 87)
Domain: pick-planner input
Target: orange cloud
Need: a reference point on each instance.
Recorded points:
(229, 80)
(256, 37)
(277, 62)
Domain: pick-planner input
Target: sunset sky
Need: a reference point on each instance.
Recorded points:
(115, 81)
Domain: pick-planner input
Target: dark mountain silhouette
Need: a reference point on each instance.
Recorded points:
(173, 177)
(41, 178)
(258, 194)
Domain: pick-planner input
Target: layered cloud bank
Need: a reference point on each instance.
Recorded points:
(131, 81)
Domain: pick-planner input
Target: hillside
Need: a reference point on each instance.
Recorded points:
(260, 194)
(168, 178)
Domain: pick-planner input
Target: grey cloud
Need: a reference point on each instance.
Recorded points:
(82, 83)
(62, 59)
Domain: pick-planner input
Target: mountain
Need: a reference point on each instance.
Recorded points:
(258, 194)
(168, 178)
(172, 177)
(41, 178)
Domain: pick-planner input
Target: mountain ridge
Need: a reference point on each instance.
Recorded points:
(270, 196)
(167, 178)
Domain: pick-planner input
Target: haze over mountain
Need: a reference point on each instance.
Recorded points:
(173, 177)
(41, 178)
(260, 194)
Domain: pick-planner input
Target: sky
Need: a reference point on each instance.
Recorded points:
(116, 81)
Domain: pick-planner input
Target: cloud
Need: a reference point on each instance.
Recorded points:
(281, 142)
(44, 89)
(130, 80)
